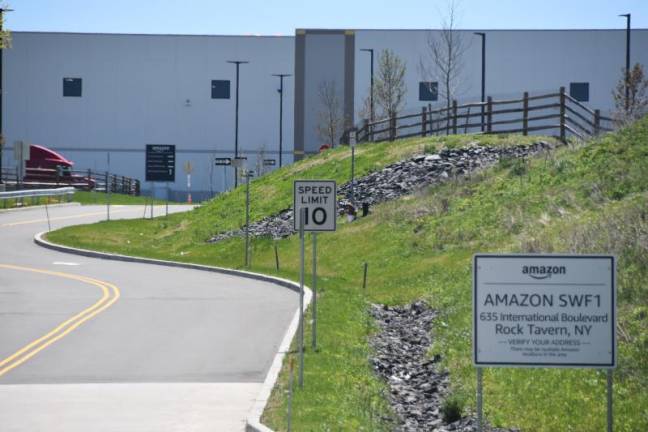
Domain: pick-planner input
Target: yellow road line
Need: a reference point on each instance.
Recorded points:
(62, 218)
(65, 327)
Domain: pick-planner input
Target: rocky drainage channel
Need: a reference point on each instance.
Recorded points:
(398, 179)
(417, 388)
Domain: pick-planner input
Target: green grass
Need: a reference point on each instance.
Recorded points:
(578, 199)
(31, 201)
(83, 197)
(93, 198)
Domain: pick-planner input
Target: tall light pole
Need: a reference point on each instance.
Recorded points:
(627, 67)
(237, 63)
(483, 75)
(371, 88)
(281, 78)
(2, 11)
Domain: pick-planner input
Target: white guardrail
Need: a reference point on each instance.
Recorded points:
(26, 193)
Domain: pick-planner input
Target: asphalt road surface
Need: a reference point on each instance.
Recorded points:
(98, 345)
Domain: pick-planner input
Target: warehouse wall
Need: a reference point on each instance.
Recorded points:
(147, 89)
(517, 61)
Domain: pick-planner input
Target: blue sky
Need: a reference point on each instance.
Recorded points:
(269, 17)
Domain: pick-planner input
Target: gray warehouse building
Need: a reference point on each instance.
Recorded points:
(101, 97)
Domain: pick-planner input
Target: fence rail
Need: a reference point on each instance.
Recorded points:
(27, 193)
(34, 194)
(42, 178)
(556, 112)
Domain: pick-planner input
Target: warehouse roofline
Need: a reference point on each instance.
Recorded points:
(149, 34)
(466, 30)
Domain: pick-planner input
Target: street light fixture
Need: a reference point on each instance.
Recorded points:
(627, 67)
(2, 11)
(280, 90)
(237, 63)
(483, 75)
(371, 91)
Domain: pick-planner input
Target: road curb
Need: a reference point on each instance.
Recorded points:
(40, 206)
(253, 421)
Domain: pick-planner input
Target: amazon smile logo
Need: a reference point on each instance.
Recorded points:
(543, 272)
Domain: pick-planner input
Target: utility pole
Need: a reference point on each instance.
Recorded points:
(627, 62)
(281, 78)
(238, 63)
(483, 76)
(2, 11)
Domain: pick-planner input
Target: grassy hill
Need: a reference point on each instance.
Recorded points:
(581, 199)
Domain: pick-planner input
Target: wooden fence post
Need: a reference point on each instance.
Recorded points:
(597, 122)
(431, 120)
(563, 134)
(392, 127)
(489, 114)
(423, 121)
(525, 114)
(454, 117)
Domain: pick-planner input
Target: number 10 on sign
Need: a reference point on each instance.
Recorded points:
(318, 200)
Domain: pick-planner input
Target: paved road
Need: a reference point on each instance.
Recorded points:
(89, 344)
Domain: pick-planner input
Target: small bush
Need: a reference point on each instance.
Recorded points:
(519, 168)
(506, 162)
(452, 408)
(430, 148)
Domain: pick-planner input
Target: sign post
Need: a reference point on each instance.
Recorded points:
(314, 210)
(301, 297)
(544, 311)
(108, 187)
(224, 162)
(160, 166)
(247, 174)
(352, 143)
(314, 285)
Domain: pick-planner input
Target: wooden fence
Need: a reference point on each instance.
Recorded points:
(41, 178)
(557, 112)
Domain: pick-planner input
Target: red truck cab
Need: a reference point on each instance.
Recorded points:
(47, 166)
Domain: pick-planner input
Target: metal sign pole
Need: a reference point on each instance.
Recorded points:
(314, 287)
(610, 414)
(353, 174)
(302, 216)
(107, 196)
(152, 198)
(167, 199)
(49, 225)
(247, 219)
(109, 189)
(352, 143)
(480, 400)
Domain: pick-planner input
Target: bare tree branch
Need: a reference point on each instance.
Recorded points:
(444, 59)
(389, 86)
(331, 118)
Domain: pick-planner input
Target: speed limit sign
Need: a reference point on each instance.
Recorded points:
(318, 198)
